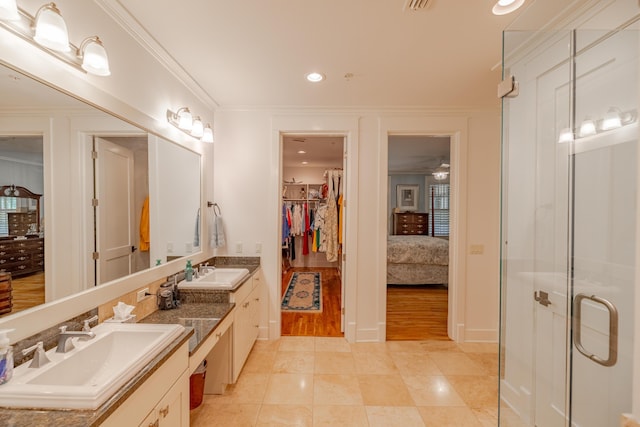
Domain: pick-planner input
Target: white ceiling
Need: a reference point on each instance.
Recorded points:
(257, 52)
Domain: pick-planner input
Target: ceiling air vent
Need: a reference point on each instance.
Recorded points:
(416, 4)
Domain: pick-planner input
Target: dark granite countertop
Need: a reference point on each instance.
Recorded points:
(202, 317)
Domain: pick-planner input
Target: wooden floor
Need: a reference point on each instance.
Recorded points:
(417, 312)
(28, 291)
(413, 312)
(324, 324)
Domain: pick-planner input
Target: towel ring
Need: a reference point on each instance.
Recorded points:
(216, 209)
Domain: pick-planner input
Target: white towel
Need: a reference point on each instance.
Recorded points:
(217, 233)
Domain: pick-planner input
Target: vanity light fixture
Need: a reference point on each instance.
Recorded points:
(94, 56)
(614, 119)
(504, 7)
(9, 10)
(184, 120)
(48, 31)
(50, 28)
(315, 77)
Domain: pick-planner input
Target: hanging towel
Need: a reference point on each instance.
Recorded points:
(145, 241)
(196, 236)
(217, 232)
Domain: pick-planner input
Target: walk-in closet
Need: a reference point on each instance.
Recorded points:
(312, 229)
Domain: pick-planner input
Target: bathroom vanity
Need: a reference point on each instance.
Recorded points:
(220, 326)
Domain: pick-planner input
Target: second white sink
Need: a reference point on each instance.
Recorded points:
(218, 278)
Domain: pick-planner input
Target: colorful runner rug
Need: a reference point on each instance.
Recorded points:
(304, 293)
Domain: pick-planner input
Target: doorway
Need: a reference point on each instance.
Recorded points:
(418, 237)
(120, 186)
(313, 188)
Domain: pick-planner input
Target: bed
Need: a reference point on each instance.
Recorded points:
(417, 260)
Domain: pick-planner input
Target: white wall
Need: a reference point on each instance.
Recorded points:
(248, 192)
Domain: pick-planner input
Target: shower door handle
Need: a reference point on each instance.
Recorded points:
(613, 329)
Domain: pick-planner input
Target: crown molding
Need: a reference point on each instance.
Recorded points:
(123, 18)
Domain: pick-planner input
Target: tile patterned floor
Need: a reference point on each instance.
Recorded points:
(316, 381)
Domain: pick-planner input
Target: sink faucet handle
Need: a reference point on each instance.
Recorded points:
(87, 322)
(63, 329)
(39, 356)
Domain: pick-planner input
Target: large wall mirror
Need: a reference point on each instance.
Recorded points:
(114, 200)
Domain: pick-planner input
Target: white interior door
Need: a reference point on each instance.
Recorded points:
(114, 211)
(343, 216)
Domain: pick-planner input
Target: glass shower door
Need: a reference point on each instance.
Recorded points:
(604, 222)
(569, 220)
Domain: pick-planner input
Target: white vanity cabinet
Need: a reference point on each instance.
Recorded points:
(246, 323)
(162, 400)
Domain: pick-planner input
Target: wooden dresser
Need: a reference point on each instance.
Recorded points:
(22, 256)
(410, 223)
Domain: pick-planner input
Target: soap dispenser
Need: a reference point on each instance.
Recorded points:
(188, 272)
(6, 357)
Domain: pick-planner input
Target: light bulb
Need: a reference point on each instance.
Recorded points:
(612, 119)
(587, 128)
(185, 120)
(9, 10)
(94, 57)
(50, 29)
(197, 130)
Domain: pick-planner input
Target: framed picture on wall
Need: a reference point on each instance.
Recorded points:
(407, 197)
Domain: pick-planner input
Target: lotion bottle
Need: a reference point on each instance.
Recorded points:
(6, 357)
(188, 272)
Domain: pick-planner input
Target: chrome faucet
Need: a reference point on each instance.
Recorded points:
(87, 322)
(65, 343)
(39, 356)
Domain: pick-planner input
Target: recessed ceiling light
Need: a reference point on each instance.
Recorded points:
(503, 7)
(302, 152)
(305, 163)
(315, 77)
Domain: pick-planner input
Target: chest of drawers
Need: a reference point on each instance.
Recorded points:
(410, 223)
(22, 256)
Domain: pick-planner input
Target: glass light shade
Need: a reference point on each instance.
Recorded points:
(565, 135)
(440, 175)
(587, 128)
(94, 57)
(197, 130)
(9, 10)
(207, 134)
(185, 120)
(50, 29)
(612, 120)
(503, 7)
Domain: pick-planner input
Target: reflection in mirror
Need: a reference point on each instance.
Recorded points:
(121, 188)
(177, 202)
(21, 220)
(74, 231)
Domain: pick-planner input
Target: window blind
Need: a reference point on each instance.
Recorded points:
(439, 209)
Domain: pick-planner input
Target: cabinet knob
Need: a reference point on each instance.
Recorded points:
(164, 411)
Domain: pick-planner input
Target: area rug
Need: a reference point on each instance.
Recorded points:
(304, 293)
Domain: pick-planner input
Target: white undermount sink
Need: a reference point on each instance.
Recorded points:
(88, 375)
(218, 278)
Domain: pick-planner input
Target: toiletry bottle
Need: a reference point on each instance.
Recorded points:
(6, 357)
(188, 272)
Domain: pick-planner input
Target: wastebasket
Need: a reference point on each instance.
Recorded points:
(196, 385)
